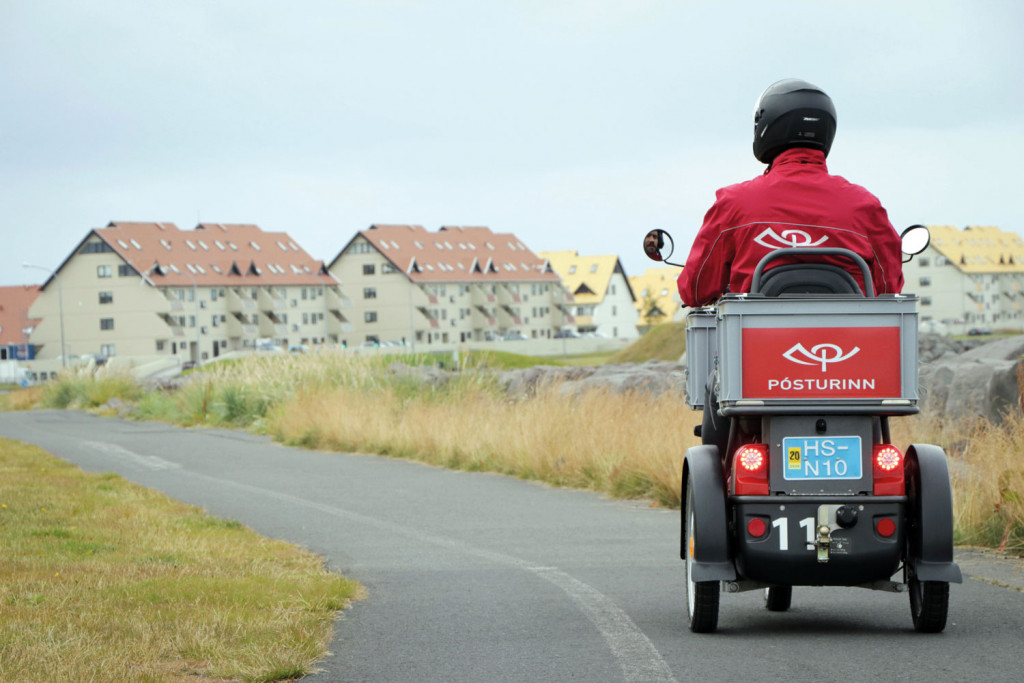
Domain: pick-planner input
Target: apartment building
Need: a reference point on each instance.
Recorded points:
(969, 278)
(150, 289)
(458, 284)
(15, 323)
(603, 299)
(657, 299)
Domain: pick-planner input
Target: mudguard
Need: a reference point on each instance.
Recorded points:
(711, 539)
(930, 496)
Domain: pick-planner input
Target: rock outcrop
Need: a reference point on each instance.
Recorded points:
(986, 380)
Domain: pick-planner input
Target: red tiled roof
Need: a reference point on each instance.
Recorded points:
(213, 254)
(458, 254)
(14, 304)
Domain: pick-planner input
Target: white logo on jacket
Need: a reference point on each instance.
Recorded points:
(789, 238)
(820, 354)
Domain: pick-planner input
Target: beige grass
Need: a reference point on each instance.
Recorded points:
(987, 471)
(622, 445)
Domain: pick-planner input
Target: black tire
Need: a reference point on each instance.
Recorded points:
(929, 605)
(778, 598)
(701, 596)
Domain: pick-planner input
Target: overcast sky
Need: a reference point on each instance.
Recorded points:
(575, 124)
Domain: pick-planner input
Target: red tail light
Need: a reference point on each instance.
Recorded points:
(887, 467)
(750, 470)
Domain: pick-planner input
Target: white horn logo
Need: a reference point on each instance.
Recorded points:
(820, 354)
(789, 238)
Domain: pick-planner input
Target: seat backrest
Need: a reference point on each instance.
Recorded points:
(808, 278)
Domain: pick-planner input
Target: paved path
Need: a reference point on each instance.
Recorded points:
(479, 577)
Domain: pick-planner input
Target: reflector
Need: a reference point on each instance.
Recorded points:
(756, 527)
(885, 527)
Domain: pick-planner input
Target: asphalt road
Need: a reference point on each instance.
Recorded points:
(479, 577)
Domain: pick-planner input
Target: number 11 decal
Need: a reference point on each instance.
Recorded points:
(782, 524)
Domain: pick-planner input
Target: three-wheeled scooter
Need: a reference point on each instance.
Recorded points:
(807, 371)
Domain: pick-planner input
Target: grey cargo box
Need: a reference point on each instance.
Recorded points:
(840, 354)
(701, 349)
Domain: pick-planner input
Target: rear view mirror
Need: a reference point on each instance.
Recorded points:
(658, 245)
(915, 239)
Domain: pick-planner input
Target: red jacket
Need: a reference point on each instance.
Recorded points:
(796, 203)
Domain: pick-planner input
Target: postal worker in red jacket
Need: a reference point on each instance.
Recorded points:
(796, 203)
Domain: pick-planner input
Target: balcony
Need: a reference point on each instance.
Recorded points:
(482, 317)
(507, 297)
(337, 323)
(173, 325)
(240, 328)
(268, 300)
(239, 302)
(336, 300)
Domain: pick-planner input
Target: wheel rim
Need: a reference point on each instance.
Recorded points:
(690, 587)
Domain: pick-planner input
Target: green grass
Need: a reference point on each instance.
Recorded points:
(663, 342)
(103, 580)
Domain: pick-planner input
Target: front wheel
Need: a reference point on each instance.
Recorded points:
(778, 598)
(929, 604)
(701, 596)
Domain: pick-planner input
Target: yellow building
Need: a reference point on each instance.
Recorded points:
(657, 296)
(603, 300)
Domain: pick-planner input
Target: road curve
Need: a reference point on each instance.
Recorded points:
(475, 577)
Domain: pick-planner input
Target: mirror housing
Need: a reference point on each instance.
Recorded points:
(915, 239)
(658, 245)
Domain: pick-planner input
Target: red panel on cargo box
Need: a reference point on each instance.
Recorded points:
(821, 362)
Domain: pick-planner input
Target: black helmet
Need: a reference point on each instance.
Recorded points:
(792, 113)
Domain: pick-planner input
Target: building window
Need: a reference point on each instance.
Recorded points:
(924, 282)
(159, 344)
(124, 270)
(370, 316)
(104, 271)
(388, 267)
(368, 269)
(107, 350)
(106, 323)
(106, 297)
(572, 270)
(926, 301)
(369, 292)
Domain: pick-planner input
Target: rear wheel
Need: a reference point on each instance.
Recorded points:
(929, 604)
(701, 596)
(778, 598)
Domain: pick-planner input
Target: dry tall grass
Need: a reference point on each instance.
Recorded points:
(986, 463)
(621, 445)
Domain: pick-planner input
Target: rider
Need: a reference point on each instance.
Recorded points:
(795, 203)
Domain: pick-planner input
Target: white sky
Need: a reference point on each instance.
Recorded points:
(575, 124)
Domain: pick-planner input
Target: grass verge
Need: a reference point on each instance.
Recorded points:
(103, 580)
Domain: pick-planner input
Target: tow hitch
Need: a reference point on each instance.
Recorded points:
(830, 518)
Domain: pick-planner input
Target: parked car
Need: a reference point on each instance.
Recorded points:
(567, 334)
(978, 331)
(515, 335)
